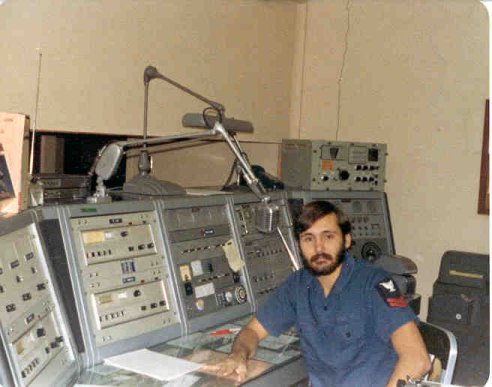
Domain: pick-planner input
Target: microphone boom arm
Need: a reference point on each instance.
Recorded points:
(152, 73)
(110, 156)
(251, 179)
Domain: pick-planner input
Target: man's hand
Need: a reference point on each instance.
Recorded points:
(235, 363)
(243, 347)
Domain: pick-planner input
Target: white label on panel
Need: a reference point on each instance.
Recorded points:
(196, 267)
(204, 290)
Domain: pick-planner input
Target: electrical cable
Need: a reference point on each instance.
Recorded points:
(235, 165)
(231, 173)
(303, 67)
(209, 125)
(342, 68)
(217, 112)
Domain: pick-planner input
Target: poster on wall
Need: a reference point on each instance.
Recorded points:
(14, 162)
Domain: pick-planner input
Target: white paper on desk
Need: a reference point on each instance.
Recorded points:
(185, 381)
(87, 385)
(153, 364)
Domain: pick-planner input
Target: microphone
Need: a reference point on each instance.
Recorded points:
(267, 217)
(198, 120)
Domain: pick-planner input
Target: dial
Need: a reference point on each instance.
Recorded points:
(371, 251)
(343, 174)
(200, 304)
(228, 296)
(240, 294)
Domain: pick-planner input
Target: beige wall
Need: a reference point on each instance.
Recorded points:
(238, 52)
(415, 77)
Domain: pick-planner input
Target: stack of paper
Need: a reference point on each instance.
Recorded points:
(153, 364)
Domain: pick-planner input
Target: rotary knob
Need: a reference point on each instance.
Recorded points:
(200, 304)
(240, 294)
(228, 297)
(371, 251)
(343, 174)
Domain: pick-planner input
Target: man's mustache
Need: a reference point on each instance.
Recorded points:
(319, 256)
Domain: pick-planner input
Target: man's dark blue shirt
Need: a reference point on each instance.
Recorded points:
(345, 337)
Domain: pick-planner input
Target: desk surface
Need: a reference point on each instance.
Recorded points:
(275, 356)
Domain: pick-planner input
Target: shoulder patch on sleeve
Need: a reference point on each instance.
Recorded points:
(390, 294)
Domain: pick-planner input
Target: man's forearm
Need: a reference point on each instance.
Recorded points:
(245, 343)
(413, 359)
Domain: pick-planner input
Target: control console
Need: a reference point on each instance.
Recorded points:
(37, 343)
(119, 277)
(267, 258)
(368, 214)
(209, 271)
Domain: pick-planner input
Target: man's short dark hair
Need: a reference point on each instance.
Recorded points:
(316, 210)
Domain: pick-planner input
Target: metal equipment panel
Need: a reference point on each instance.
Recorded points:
(211, 283)
(368, 213)
(37, 347)
(121, 283)
(266, 257)
(333, 165)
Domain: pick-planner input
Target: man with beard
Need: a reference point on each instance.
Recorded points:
(355, 327)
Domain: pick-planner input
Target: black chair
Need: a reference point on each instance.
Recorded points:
(441, 344)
